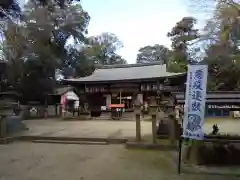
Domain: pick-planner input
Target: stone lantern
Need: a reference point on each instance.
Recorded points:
(137, 109)
(172, 123)
(6, 109)
(154, 110)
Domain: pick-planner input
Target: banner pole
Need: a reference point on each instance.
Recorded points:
(194, 107)
(180, 155)
(180, 150)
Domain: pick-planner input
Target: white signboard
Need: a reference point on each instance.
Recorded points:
(195, 98)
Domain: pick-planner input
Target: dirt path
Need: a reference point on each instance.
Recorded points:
(28, 161)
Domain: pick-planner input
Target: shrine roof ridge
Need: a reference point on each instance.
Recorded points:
(127, 65)
(126, 72)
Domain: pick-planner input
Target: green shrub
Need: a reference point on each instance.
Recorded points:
(219, 153)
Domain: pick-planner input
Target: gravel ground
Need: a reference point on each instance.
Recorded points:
(28, 161)
(113, 129)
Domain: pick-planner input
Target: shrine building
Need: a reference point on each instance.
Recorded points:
(123, 84)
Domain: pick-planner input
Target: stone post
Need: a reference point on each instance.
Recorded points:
(137, 109)
(154, 123)
(6, 109)
(172, 120)
(172, 128)
(153, 110)
(194, 151)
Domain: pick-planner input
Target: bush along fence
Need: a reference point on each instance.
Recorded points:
(217, 150)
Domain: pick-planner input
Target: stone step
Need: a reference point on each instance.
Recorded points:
(72, 139)
(69, 142)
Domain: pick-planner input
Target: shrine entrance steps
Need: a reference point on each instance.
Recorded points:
(73, 140)
(64, 140)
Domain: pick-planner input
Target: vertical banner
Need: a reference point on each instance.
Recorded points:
(195, 99)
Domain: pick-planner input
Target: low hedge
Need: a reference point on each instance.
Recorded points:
(223, 136)
(220, 149)
(219, 154)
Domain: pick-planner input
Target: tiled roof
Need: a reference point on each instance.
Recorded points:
(216, 101)
(213, 95)
(127, 72)
(62, 90)
(220, 97)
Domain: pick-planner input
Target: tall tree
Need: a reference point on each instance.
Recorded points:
(104, 46)
(224, 69)
(220, 37)
(219, 13)
(183, 35)
(9, 9)
(77, 62)
(35, 48)
(156, 53)
(223, 55)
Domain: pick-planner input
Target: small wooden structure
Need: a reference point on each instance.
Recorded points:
(55, 99)
(116, 110)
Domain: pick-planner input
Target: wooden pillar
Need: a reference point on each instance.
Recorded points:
(3, 128)
(56, 109)
(38, 112)
(78, 110)
(60, 110)
(120, 96)
(108, 100)
(46, 109)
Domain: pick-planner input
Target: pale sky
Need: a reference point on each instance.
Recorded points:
(137, 23)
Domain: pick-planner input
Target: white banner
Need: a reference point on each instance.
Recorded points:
(195, 98)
